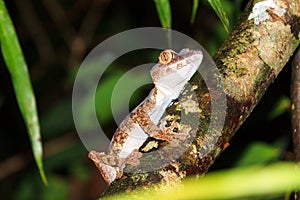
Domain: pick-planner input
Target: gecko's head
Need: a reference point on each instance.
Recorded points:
(174, 69)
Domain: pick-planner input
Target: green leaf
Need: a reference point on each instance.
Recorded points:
(164, 12)
(258, 153)
(194, 12)
(219, 9)
(17, 68)
(281, 106)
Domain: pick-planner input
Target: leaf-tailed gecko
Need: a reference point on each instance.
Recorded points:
(169, 76)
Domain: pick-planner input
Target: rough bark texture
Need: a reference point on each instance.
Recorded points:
(249, 61)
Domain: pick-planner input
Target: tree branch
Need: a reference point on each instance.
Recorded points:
(251, 58)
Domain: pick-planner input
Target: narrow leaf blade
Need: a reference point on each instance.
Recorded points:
(17, 68)
(164, 12)
(220, 11)
(194, 11)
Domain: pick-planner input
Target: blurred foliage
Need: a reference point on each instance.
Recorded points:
(236, 183)
(56, 36)
(258, 153)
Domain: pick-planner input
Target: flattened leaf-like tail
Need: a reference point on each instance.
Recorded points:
(108, 173)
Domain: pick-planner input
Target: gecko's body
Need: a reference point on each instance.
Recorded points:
(169, 76)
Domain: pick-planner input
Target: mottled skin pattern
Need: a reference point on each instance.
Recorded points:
(169, 76)
(140, 116)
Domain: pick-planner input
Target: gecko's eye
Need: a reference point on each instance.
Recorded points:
(165, 57)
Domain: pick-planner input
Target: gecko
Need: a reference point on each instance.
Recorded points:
(169, 76)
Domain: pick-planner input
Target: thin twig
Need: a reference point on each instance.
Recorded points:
(20, 161)
(61, 20)
(35, 29)
(295, 106)
(295, 110)
(87, 31)
(77, 41)
(92, 18)
(37, 33)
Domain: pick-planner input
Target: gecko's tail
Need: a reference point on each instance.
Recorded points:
(108, 173)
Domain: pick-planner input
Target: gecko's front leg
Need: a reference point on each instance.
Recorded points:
(145, 116)
(152, 129)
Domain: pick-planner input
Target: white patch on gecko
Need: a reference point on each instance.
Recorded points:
(259, 11)
(132, 142)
